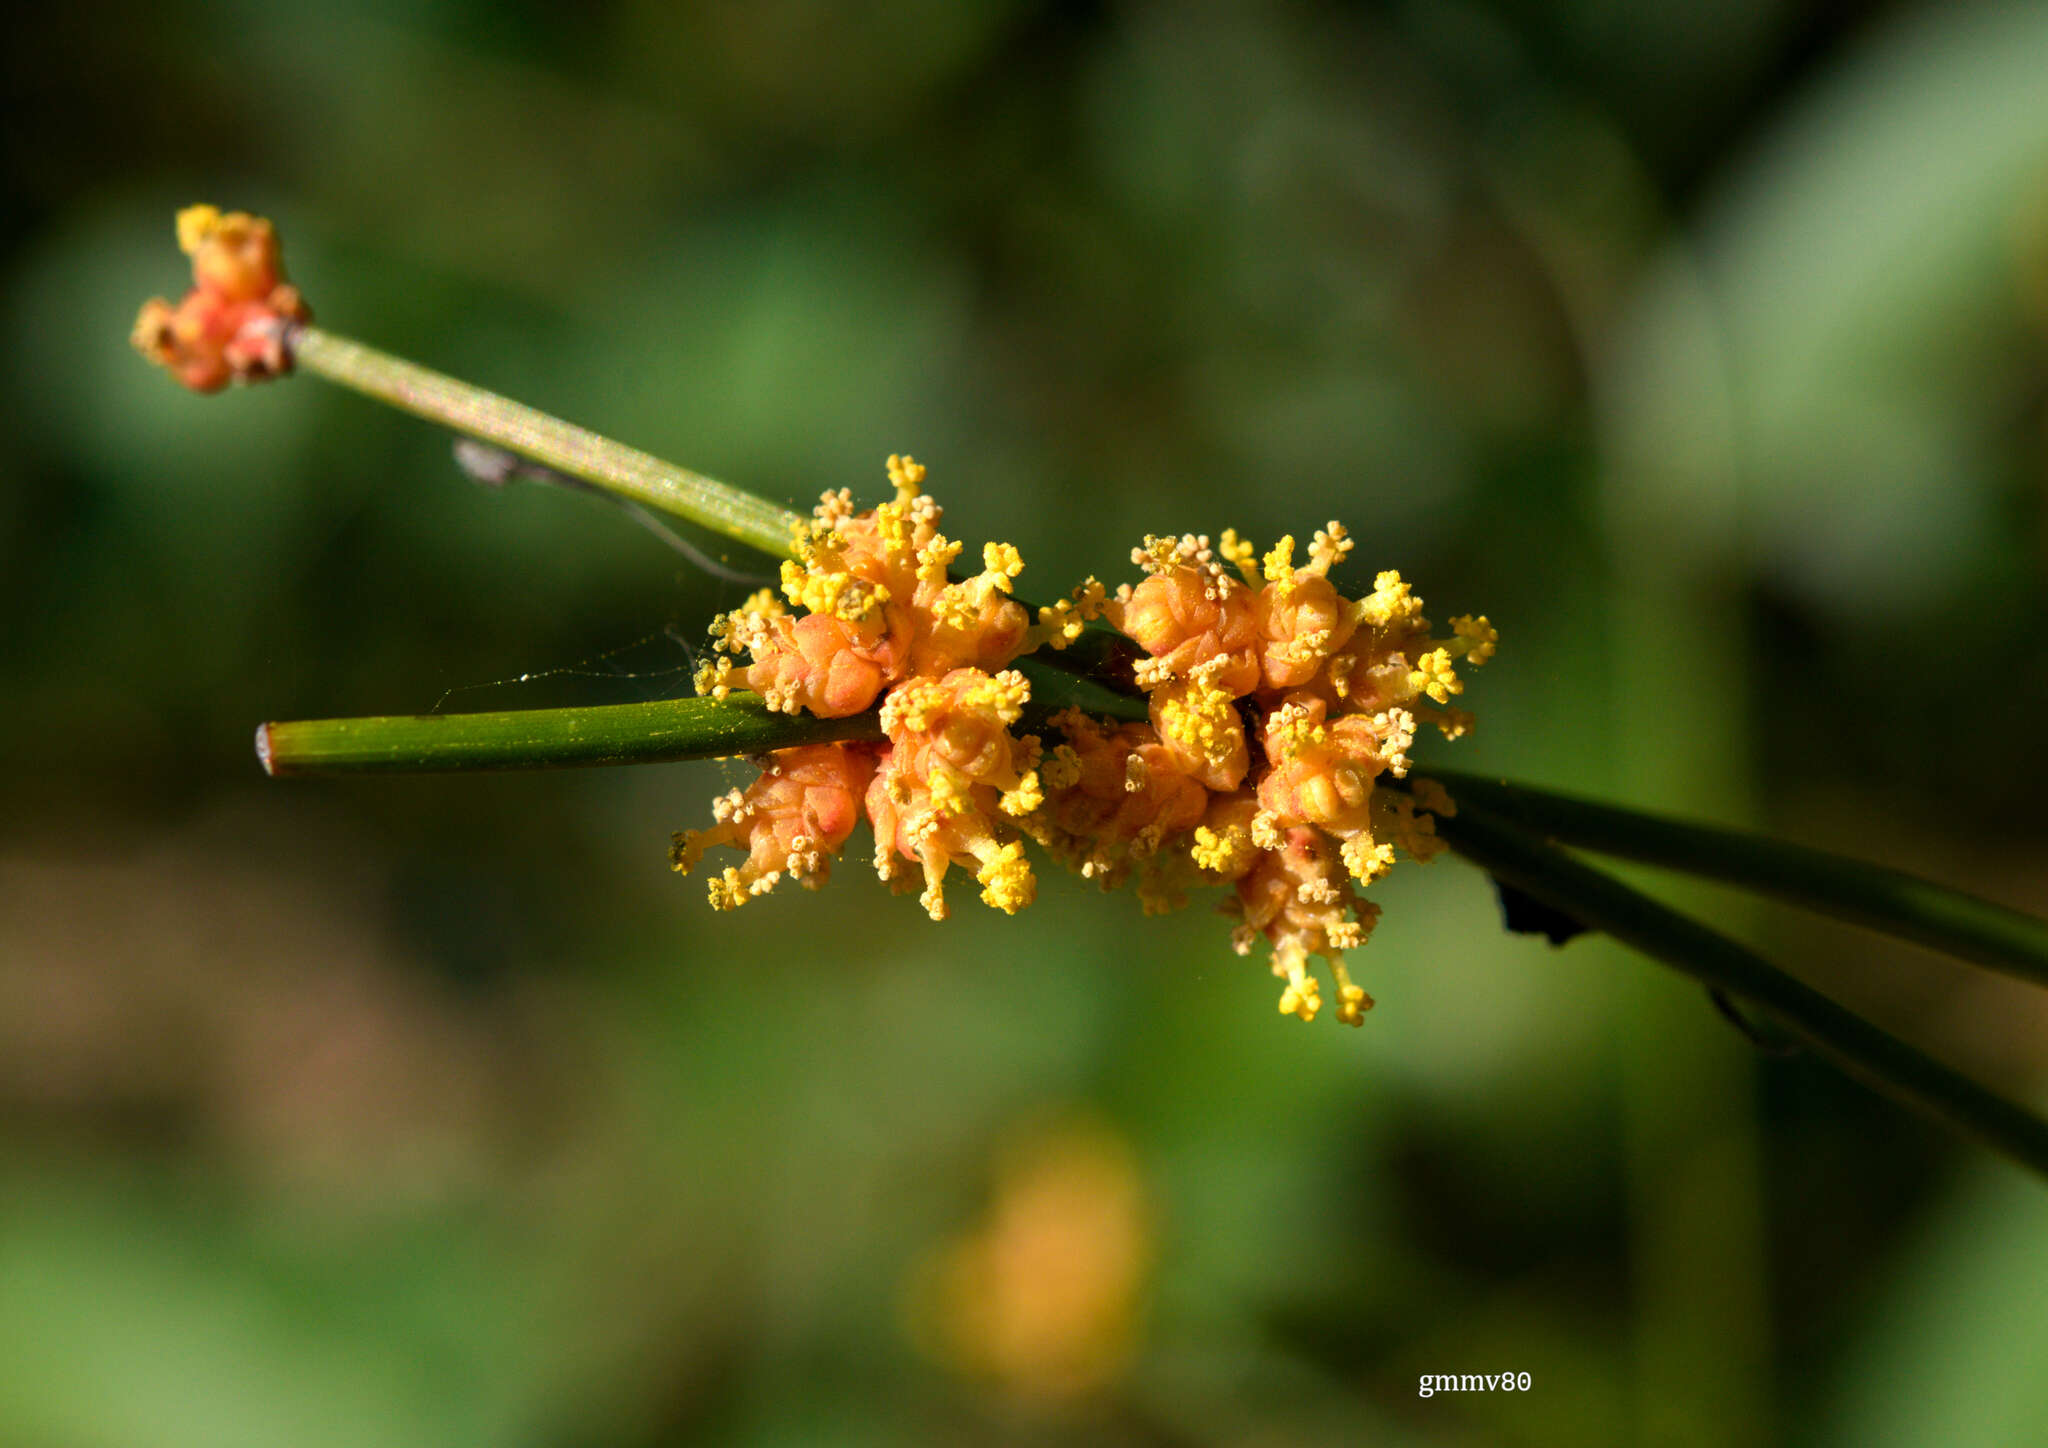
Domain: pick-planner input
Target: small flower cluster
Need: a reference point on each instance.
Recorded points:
(230, 325)
(1275, 705)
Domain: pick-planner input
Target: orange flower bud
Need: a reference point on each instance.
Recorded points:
(791, 821)
(231, 325)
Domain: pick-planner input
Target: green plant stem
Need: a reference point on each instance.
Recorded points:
(728, 511)
(1099, 654)
(653, 733)
(1604, 903)
(1863, 894)
(660, 732)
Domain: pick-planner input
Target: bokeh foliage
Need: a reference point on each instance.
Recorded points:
(1705, 348)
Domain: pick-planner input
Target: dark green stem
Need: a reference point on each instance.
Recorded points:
(1604, 903)
(1863, 894)
(654, 733)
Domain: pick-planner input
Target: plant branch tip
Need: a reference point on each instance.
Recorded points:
(240, 318)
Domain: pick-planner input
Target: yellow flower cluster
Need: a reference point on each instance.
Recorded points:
(1275, 703)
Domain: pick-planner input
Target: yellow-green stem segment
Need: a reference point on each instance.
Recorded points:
(728, 511)
(1099, 654)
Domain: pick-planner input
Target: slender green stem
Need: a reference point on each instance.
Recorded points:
(653, 733)
(1604, 903)
(1863, 894)
(1099, 654)
(724, 509)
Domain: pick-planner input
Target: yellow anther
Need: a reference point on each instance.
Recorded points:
(1228, 852)
(906, 475)
(1366, 859)
(1279, 563)
(1391, 603)
(1026, 797)
(1006, 879)
(1433, 675)
(195, 224)
(1329, 548)
(1000, 563)
(935, 558)
(1239, 554)
(1479, 637)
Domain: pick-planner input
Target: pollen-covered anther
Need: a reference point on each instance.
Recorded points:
(1295, 726)
(1222, 844)
(1435, 676)
(1331, 545)
(1224, 853)
(1198, 722)
(1366, 858)
(1239, 554)
(1001, 563)
(1302, 996)
(906, 475)
(714, 678)
(1352, 1001)
(934, 557)
(1391, 603)
(835, 506)
(1279, 564)
(1027, 797)
(1006, 879)
(1396, 730)
(1059, 624)
(1479, 637)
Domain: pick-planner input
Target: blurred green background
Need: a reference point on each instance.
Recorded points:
(1705, 348)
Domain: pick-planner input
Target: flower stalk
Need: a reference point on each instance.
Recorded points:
(1881, 899)
(658, 732)
(1880, 1060)
(531, 433)
(661, 731)
(624, 472)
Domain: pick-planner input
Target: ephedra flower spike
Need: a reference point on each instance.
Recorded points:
(1276, 704)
